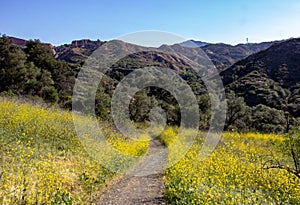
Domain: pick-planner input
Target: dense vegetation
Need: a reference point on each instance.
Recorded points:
(244, 169)
(34, 71)
(44, 162)
(270, 77)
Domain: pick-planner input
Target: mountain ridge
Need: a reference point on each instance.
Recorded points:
(263, 74)
(270, 77)
(222, 55)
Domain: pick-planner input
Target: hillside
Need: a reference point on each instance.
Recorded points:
(270, 77)
(77, 51)
(193, 44)
(43, 161)
(22, 43)
(144, 57)
(224, 55)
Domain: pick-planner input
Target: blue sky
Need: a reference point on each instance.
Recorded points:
(228, 21)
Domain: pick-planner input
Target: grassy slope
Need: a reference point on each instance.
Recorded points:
(44, 162)
(233, 174)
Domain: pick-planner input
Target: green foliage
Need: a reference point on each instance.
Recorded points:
(39, 54)
(266, 119)
(34, 72)
(61, 73)
(259, 118)
(234, 173)
(44, 162)
(269, 77)
(102, 106)
(205, 108)
(14, 72)
(238, 113)
(140, 106)
(50, 95)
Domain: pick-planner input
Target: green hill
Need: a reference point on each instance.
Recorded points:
(270, 77)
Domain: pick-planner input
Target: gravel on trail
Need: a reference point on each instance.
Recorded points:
(143, 184)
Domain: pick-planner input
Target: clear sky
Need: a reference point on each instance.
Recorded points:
(228, 21)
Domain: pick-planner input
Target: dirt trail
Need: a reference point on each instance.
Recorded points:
(143, 184)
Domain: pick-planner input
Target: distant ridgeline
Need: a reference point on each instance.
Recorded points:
(260, 79)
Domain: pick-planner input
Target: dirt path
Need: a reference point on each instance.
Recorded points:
(143, 184)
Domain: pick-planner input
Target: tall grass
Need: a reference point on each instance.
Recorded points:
(233, 174)
(44, 162)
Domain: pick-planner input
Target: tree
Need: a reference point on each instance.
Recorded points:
(60, 72)
(50, 95)
(266, 119)
(102, 105)
(204, 110)
(64, 78)
(39, 54)
(16, 74)
(140, 106)
(238, 113)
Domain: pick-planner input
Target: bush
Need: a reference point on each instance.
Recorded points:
(50, 95)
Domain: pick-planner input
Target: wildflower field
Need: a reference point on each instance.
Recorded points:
(44, 162)
(235, 173)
